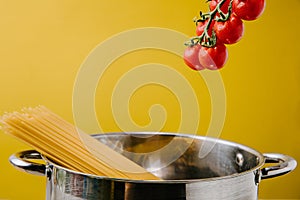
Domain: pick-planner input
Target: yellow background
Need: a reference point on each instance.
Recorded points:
(43, 43)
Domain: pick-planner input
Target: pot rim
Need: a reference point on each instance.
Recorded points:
(173, 181)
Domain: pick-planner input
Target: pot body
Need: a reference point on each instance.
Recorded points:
(64, 184)
(191, 168)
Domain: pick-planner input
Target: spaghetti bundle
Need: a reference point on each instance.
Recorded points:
(63, 144)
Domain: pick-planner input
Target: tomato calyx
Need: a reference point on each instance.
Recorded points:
(215, 15)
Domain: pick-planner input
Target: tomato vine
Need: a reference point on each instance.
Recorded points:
(205, 39)
(221, 25)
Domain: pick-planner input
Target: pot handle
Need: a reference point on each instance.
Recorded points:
(285, 164)
(23, 161)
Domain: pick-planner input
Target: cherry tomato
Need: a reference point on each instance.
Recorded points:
(230, 31)
(248, 9)
(214, 57)
(191, 59)
(224, 8)
(201, 26)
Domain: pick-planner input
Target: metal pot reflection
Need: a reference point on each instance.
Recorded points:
(229, 171)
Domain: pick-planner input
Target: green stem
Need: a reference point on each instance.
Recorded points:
(205, 39)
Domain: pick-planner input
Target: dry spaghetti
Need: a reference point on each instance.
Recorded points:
(65, 145)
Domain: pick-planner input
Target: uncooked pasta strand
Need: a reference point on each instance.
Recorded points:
(63, 144)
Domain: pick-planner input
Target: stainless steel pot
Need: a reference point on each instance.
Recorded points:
(228, 171)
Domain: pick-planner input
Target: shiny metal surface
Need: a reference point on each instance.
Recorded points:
(66, 185)
(230, 171)
(285, 164)
(21, 160)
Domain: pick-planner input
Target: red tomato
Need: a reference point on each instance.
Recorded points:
(224, 8)
(230, 31)
(248, 9)
(191, 59)
(213, 58)
(201, 26)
